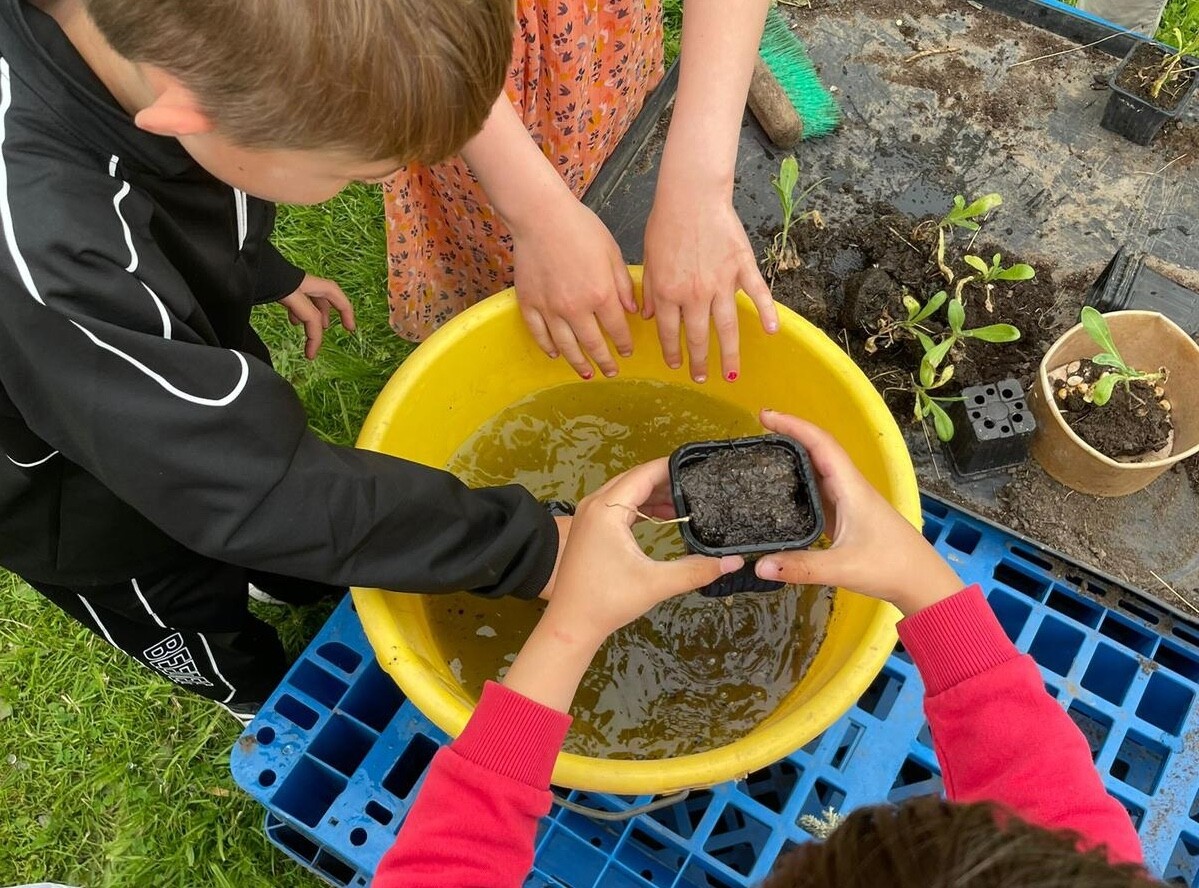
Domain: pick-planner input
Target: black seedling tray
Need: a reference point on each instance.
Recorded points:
(1138, 119)
(993, 428)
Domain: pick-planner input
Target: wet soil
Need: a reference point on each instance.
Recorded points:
(1134, 423)
(1143, 69)
(747, 496)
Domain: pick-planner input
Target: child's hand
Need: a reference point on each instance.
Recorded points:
(874, 551)
(573, 286)
(312, 305)
(605, 580)
(697, 255)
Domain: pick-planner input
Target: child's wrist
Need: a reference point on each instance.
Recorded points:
(932, 585)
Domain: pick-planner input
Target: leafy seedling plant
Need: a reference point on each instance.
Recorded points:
(1109, 356)
(927, 404)
(962, 215)
(1175, 66)
(912, 326)
(932, 376)
(989, 274)
(782, 254)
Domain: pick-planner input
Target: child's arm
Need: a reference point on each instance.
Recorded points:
(999, 736)
(571, 281)
(475, 820)
(119, 372)
(697, 253)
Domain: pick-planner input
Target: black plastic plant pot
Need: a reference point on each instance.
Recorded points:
(1127, 283)
(1139, 119)
(993, 429)
(705, 541)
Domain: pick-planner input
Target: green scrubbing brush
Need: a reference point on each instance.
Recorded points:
(786, 94)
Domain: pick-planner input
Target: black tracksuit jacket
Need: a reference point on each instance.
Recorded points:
(139, 416)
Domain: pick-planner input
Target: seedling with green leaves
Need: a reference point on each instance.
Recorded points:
(912, 325)
(927, 404)
(1175, 66)
(996, 272)
(956, 315)
(1118, 371)
(783, 255)
(962, 215)
(988, 274)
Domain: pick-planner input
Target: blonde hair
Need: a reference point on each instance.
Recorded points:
(404, 80)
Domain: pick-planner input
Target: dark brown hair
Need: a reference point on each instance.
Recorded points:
(404, 80)
(931, 843)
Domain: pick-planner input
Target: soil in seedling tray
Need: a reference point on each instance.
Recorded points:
(1134, 423)
(1143, 69)
(746, 496)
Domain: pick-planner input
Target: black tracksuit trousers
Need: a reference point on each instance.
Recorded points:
(190, 623)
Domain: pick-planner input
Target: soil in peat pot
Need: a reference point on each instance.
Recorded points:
(1134, 423)
(746, 496)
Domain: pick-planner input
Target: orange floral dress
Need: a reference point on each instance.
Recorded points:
(580, 72)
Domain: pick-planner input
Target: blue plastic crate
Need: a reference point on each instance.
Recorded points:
(338, 754)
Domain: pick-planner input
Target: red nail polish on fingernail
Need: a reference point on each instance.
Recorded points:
(732, 377)
(587, 375)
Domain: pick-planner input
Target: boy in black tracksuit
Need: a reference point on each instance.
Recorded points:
(151, 462)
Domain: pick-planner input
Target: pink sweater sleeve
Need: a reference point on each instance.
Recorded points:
(475, 820)
(999, 736)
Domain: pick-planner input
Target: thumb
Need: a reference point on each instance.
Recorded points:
(825, 567)
(695, 572)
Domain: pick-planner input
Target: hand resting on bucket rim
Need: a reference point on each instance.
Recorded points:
(1000, 738)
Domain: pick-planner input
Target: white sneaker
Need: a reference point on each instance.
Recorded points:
(264, 597)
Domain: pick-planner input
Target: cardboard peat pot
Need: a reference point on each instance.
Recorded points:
(1146, 340)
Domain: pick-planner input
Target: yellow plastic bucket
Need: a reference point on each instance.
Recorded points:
(484, 360)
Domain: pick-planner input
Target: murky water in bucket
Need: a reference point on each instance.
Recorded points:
(692, 674)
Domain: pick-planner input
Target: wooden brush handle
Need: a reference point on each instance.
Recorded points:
(772, 108)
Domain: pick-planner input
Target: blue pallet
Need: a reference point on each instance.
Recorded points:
(337, 754)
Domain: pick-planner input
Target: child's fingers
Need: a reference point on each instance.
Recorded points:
(535, 321)
(724, 318)
(693, 572)
(828, 458)
(612, 318)
(755, 286)
(624, 289)
(827, 567)
(634, 488)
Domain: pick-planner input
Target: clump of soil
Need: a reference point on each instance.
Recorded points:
(1135, 422)
(1143, 68)
(747, 496)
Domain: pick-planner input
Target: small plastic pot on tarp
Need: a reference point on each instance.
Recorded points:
(748, 497)
(1127, 283)
(1153, 85)
(1117, 402)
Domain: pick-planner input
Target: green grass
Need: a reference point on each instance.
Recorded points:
(1181, 14)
